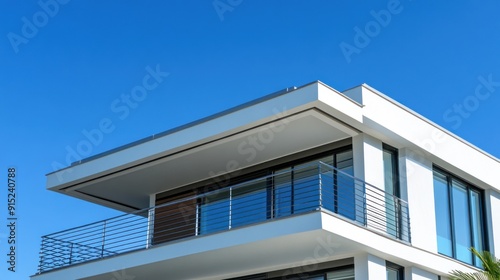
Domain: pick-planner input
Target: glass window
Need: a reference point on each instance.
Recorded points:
(345, 191)
(476, 222)
(391, 174)
(327, 186)
(343, 274)
(391, 186)
(297, 188)
(249, 203)
(392, 274)
(214, 212)
(443, 220)
(394, 271)
(305, 187)
(283, 192)
(459, 221)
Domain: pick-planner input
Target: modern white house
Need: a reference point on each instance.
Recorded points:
(305, 183)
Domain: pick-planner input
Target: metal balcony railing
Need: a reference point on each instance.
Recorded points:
(309, 187)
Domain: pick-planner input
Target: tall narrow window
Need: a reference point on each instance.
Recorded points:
(391, 172)
(476, 221)
(459, 218)
(344, 189)
(305, 187)
(461, 221)
(283, 196)
(214, 212)
(391, 187)
(297, 188)
(443, 219)
(249, 203)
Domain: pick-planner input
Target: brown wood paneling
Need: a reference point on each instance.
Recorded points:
(174, 221)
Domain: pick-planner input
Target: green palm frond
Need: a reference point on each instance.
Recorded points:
(459, 275)
(490, 264)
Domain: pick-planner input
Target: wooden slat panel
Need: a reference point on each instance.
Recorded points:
(175, 221)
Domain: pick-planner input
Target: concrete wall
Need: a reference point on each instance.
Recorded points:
(415, 273)
(493, 221)
(367, 266)
(418, 187)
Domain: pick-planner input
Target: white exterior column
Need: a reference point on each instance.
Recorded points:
(414, 273)
(417, 187)
(368, 159)
(493, 220)
(368, 266)
(369, 166)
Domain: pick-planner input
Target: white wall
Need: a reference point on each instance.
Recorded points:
(369, 166)
(393, 120)
(368, 160)
(415, 273)
(417, 184)
(368, 266)
(493, 220)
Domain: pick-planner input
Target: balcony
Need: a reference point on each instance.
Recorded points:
(292, 192)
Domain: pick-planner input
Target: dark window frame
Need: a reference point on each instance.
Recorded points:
(270, 186)
(396, 185)
(333, 153)
(395, 172)
(316, 273)
(296, 276)
(395, 267)
(450, 177)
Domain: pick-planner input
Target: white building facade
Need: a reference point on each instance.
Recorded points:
(306, 183)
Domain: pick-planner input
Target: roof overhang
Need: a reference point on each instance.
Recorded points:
(273, 128)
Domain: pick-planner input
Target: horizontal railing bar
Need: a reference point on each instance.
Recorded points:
(78, 244)
(314, 186)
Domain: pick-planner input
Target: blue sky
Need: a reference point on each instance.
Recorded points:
(66, 66)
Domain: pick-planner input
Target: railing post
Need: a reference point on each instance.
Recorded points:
(407, 224)
(320, 185)
(103, 239)
(197, 220)
(70, 252)
(398, 220)
(150, 229)
(365, 206)
(42, 254)
(230, 207)
(55, 251)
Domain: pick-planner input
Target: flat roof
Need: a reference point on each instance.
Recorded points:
(263, 99)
